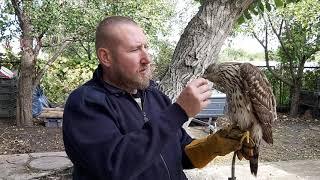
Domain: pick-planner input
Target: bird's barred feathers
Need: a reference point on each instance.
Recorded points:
(262, 98)
(251, 102)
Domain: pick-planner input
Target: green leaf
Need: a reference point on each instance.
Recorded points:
(253, 10)
(279, 3)
(241, 20)
(247, 15)
(261, 6)
(268, 6)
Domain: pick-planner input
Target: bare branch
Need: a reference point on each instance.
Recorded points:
(36, 49)
(266, 54)
(38, 45)
(82, 45)
(73, 39)
(282, 45)
(50, 61)
(18, 12)
(301, 66)
(281, 25)
(76, 52)
(257, 38)
(276, 75)
(288, 54)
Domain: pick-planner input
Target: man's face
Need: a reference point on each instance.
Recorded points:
(131, 60)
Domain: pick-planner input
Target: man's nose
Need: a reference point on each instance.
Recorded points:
(146, 58)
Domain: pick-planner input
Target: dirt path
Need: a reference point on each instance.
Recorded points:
(294, 139)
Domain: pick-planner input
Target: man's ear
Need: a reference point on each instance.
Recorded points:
(104, 56)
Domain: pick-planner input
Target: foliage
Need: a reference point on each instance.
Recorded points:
(231, 54)
(150, 14)
(10, 60)
(296, 28)
(301, 39)
(82, 52)
(64, 76)
(54, 22)
(162, 60)
(311, 80)
(261, 6)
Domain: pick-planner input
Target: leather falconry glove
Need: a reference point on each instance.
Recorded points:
(224, 141)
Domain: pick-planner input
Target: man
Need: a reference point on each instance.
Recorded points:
(119, 126)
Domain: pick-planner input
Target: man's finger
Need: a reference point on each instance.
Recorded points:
(204, 88)
(205, 103)
(198, 82)
(205, 96)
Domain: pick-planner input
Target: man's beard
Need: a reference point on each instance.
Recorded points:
(139, 81)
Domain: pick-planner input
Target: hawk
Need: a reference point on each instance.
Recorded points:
(250, 100)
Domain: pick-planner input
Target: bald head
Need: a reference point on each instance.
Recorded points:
(104, 32)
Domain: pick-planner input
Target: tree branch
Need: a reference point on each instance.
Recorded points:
(281, 25)
(266, 54)
(257, 38)
(76, 52)
(50, 61)
(18, 12)
(82, 45)
(282, 45)
(36, 49)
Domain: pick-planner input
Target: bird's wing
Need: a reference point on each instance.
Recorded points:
(258, 88)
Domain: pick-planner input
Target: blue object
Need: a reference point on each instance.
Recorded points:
(215, 108)
(39, 101)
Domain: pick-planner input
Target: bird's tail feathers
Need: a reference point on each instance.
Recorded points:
(267, 135)
(254, 161)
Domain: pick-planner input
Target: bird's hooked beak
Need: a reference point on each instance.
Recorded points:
(206, 72)
(204, 76)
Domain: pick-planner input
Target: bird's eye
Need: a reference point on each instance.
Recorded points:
(206, 71)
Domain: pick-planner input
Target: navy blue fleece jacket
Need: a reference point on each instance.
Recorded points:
(107, 136)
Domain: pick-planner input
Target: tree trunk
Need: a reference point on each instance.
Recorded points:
(30, 47)
(295, 100)
(27, 68)
(201, 42)
(25, 84)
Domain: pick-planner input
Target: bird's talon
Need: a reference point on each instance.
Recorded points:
(246, 135)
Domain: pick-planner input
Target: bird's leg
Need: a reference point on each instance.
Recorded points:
(246, 135)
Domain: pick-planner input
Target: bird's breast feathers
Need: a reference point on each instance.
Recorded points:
(240, 110)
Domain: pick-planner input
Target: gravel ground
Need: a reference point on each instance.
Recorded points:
(294, 139)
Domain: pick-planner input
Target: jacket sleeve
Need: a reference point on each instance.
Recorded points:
(185, 139)
(93, 141)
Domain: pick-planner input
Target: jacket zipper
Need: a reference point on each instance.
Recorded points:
(165, 164)
(145, 118)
